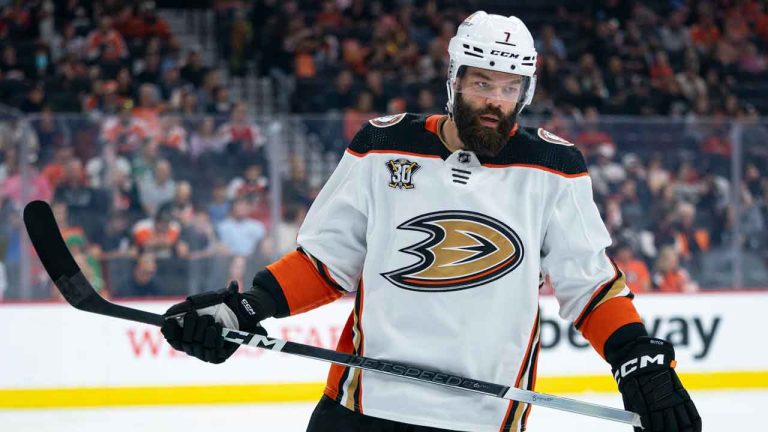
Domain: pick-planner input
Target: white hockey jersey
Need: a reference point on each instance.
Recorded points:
(446, 251)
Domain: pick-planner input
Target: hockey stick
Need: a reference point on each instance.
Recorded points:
(73, 285)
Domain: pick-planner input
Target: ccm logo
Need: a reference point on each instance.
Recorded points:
(504, 54)
(632, 365)
(247, 307)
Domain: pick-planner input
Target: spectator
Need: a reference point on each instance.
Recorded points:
(206, 139)
(669, 277)
(200, 234)
(54, 170)
(11, 184)
(116, 241)
(158, 189)
(374, 84)
(149, 108)
(288, 228)
(35, 99)
(143, 281)
(147, 24)
(194, 71)
(160, 235)
(189, 108)
(355, 117)
(68, 43)
(69, 232)
(251, 186)
(173, 137)
(181, 205)
(112, 172)
(150, 70)
(691, 83)
(592, 136)
(635, 270)
(172, 86)
(342, 95)
(105, 45)
(296, 188)
(85, 204)
(704, 32)
(606, 174)
(9, 65)
(674, 36)
(549, 44)
(220, 206)
(691, 239)
(243, 137)
(241, 234)
(52, 133)
(88, 263)
(220, 105)
(125, 131)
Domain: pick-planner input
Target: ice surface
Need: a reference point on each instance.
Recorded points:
(721, 411)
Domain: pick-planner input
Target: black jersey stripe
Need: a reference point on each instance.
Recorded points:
(608, 290)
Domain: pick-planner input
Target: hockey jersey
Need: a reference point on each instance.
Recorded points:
(445, 251)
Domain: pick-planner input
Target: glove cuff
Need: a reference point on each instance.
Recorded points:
(644, 355)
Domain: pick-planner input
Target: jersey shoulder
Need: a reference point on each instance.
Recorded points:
(398, 133)
(539, 147)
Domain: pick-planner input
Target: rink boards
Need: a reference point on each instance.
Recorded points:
(56, 356)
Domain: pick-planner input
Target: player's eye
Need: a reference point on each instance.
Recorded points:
(512, 89)
(481, 84)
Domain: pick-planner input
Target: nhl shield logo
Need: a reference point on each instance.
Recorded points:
(401, 171)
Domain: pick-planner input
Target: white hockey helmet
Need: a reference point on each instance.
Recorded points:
(496, 43)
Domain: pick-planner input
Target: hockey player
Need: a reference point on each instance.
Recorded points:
(443, 226)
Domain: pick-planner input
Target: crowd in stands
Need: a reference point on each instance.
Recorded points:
(617, 56)
(140, 149)
(668, 202)
(147, 157)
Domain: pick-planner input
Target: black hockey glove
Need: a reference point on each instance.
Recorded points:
(204, 316)
(650, 387)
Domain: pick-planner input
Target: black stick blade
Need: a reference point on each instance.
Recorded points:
(47, 241)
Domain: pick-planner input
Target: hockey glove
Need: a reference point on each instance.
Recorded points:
(204, 315)
(650, 387)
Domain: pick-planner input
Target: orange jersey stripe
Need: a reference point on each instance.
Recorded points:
(539, 167)
(606, 319)
(304, 288)
(531, 338)
(354, 153)
(345, 345)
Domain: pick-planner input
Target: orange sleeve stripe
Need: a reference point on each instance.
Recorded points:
(304, 288)
(606, 319)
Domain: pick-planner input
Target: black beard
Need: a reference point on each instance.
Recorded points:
(480, 139)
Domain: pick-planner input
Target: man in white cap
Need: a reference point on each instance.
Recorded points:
(443, 227)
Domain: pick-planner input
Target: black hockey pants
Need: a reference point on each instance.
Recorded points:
(330, 416)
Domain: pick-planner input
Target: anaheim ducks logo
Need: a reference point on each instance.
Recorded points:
(464, 250)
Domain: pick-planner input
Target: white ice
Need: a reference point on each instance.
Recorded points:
(721, 411)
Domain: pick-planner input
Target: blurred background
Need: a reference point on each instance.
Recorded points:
(156, 132)
(181, 144)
